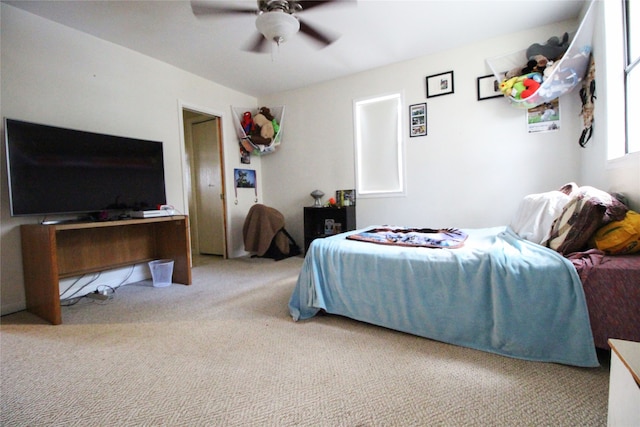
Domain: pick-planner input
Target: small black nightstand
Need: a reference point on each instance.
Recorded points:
(315, 220)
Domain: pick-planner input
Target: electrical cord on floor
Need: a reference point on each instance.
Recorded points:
(123, 282)
(105, 290)
(71, 300)
(101, 295)
(71, 285)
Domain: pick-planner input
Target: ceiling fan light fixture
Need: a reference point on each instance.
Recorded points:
(277, 26)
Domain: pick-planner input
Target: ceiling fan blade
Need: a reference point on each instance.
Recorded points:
(258, 45)
(310, 4)
(323, 37)
(204, 8)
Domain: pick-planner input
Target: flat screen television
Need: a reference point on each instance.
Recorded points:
(54, 170)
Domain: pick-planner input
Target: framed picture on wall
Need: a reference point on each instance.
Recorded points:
(488, 87)
(440, 84)
(346, 198)
(244, 178)
(418, 120)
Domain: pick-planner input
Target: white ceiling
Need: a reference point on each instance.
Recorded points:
(374, 33)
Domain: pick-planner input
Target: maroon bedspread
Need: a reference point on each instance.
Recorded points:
(612, 291)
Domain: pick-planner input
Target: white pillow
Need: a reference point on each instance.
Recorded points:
(536, 213)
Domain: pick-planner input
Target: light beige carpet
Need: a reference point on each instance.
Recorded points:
(224, 352)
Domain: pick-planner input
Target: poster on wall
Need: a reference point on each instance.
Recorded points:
(544, 117)
(245, 178)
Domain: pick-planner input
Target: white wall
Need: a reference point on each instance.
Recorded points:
(471, 170)
(54, 75)
(621, 174)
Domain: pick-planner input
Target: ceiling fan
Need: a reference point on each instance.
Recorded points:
(276, 20)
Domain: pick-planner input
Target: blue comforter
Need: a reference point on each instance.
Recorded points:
(498, 293)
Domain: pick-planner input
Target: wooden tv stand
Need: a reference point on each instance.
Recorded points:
(56, 251)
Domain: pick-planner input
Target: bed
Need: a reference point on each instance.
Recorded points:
(612, 291)
(499, 292)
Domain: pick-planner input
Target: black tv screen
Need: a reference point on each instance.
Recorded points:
(54, 170)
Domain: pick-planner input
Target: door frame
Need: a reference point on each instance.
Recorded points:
(186, 166)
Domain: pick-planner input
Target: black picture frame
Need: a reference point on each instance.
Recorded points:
(418, 120)
(488, 87)
(440, 84)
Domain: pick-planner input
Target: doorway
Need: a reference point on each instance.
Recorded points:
(205, 185)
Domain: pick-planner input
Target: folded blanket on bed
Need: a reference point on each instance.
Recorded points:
(449, 238)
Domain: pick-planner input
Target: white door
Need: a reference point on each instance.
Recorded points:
(209, 190)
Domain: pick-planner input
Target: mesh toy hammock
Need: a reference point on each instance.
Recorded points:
(569, 70)
(245, 140)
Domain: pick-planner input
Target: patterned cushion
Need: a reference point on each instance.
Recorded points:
(587, 211)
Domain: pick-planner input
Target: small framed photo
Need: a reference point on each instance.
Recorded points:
(329, 226)
(345, 198)
(418, 120)
(440, 84)
(488, 87)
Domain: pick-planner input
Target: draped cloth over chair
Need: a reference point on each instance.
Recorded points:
(264, 234)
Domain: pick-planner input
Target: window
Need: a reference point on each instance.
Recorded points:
(379, 146)
(632, 74)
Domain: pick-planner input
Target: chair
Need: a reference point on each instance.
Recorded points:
(265, 236)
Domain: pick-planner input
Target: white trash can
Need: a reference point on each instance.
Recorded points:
(161, 272)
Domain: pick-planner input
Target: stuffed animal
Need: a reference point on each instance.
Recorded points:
(553, 49)
(258, 140)
(518, 88)
(263, 132)
(247, 122)
(514, 72)
(537, 64)
(514, 86)
(507, 85)
(551, 66)
(266, 127)
(266, 112)
(531, 86)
